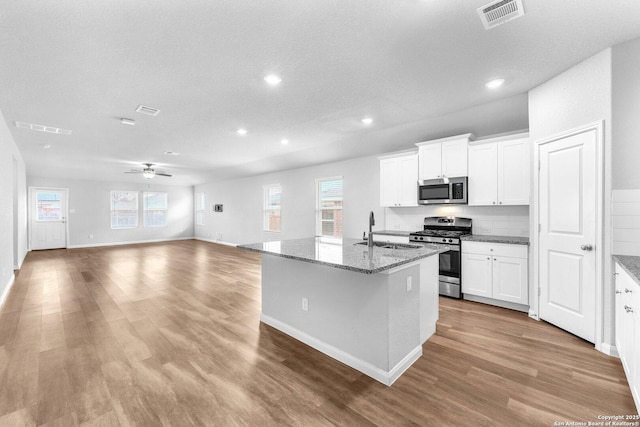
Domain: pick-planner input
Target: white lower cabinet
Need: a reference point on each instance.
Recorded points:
(627, 318)
(495, 270)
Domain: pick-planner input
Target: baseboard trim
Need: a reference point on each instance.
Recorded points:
(136, 242)
(386, 378)
(498, 303)
(609, 349)
(216, 241)
(3, 297)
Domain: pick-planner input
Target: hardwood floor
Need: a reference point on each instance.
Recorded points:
(169, 334)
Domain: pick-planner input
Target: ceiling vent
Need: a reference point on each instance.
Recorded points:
(42, 128)
(147, 110)
(500, 11)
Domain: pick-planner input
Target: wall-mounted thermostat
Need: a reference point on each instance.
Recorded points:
(217, 208)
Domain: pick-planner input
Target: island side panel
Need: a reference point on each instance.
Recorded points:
(429, 303)
(404, 317)
(347, 310)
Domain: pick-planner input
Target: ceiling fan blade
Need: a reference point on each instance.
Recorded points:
(133, 171)
(163, 174)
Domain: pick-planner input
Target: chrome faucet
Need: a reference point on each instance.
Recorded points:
(372, 222)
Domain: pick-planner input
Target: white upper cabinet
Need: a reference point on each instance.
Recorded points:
(499, 171)
(443, 157)
(430, 158)
(399, 180)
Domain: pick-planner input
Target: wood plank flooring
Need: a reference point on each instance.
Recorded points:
(168, 334)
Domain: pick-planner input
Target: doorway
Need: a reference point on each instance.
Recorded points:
(569, 201)
(48, 218)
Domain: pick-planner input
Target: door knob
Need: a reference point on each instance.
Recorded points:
(586, 247)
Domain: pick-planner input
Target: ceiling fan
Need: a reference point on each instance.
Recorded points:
(148, 172)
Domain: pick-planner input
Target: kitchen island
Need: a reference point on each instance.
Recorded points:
(371, 308)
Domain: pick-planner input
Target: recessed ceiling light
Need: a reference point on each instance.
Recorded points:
(494, 84)
(284, 141)
(46, 146)
(171, 153)
(129, 122)
(367, 120)
(272, 79)
(241, 131)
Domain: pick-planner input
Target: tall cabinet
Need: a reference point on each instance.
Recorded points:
(499, 171)
(627, 321)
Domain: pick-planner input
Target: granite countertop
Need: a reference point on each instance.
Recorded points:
(392, 233)
(511, 240)
(345, 253)
(630, 264)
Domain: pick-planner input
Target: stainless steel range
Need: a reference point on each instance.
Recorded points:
(446, 230)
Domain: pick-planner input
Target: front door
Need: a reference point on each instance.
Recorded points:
(568, 214)
(48, 217)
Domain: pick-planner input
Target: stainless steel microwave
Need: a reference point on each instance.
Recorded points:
(442, 191)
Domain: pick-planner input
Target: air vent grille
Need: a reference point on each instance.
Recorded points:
(42, 128)
(147, 110)
(500, 11)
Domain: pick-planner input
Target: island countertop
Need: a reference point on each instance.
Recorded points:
(345, 253)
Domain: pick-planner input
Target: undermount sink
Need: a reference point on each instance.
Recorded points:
(388, 245)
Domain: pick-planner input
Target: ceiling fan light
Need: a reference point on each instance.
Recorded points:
(148, 173)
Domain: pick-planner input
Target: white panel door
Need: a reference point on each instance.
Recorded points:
(510, 280)
(430, 158)
(454, 158)
(48, 216)
(389, 182)
(476, 275)
(408, 180)
(513, 172)
(483, 164)
(567, 212)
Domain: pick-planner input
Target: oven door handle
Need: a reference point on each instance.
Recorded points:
(454, 248)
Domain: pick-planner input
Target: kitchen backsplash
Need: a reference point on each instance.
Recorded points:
(487, 220)
(625, 215)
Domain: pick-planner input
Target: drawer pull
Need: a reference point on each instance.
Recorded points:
(628, 309)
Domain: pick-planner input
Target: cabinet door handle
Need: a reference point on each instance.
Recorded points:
(500, 202)
(618, 292)
(493, 203)
(586, 247)
(488, 258)
(628, 291)
(628, 309)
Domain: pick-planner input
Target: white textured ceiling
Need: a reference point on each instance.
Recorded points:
(418, 67)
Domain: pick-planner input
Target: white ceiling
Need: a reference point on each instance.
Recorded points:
(417, 67)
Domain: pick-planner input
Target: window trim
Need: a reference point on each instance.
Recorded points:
(318, 212)
(137, 216)
(144, 209)
(266, 209)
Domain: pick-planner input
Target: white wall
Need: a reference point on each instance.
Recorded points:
(91, 202)
(13, 223)
(626, 115)
(241, 220)
(577, 97)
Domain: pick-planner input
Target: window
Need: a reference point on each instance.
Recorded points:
(49, 206)
(329, 207)
(272, 198)
(155, 209)
(124, 209)
(200, 208)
